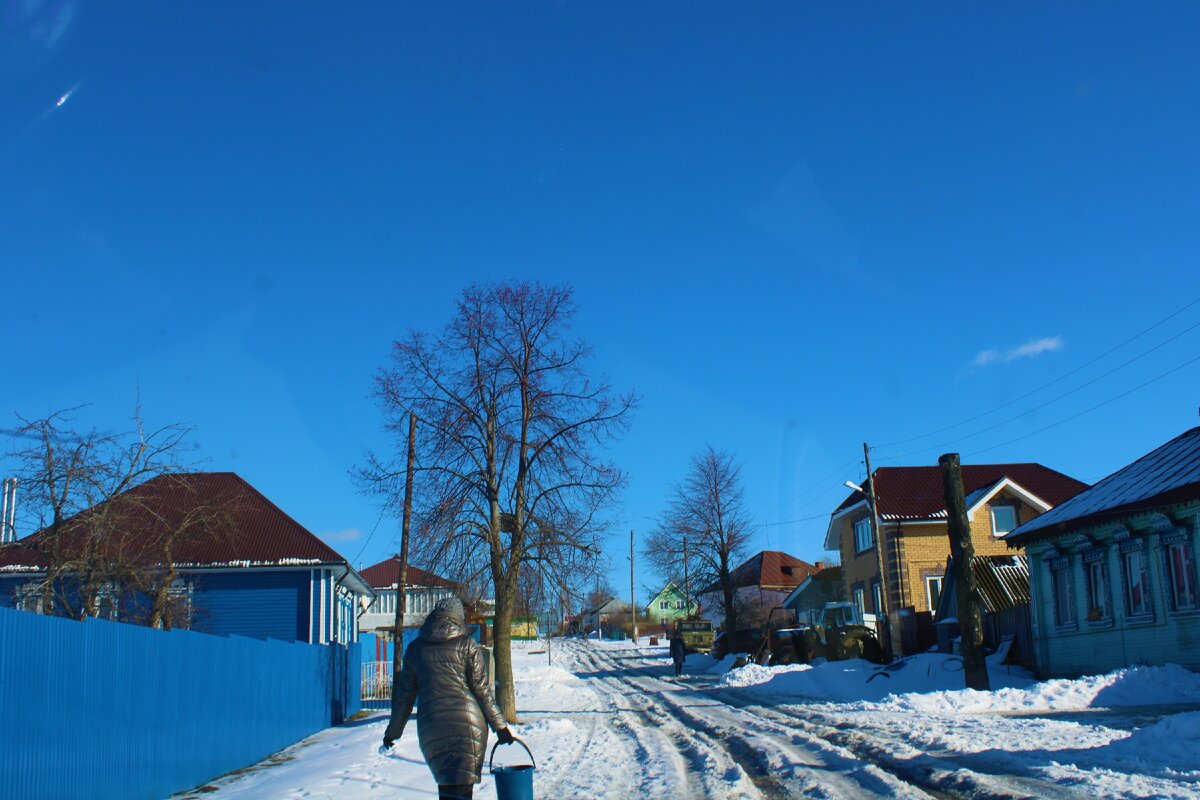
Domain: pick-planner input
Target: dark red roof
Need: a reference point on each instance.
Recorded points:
(916, 492)
(386, 574)
(245, 527)
(767, 571)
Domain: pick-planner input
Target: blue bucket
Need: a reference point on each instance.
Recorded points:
(514, 782)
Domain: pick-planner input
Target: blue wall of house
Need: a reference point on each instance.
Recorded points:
(272, 603)
(1101, 645)
(263, 604)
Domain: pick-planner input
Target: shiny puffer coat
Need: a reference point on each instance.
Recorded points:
(444, 672)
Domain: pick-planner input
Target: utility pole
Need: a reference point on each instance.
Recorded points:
(882, 610)
(962, 550)
(632, 591)
(402, 574)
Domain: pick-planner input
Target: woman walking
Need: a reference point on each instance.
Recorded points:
(443, 670)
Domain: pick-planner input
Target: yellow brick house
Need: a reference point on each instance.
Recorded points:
(912, 524)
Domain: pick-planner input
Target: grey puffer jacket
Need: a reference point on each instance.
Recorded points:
(444, 672)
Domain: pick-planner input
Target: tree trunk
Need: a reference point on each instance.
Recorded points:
(962, 549)
(506, 697)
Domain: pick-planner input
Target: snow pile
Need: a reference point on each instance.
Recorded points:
(856, 679)
(1136, 686)
(755, 675)
(1162, 749)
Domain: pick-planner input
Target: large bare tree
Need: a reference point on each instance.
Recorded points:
(97, 538)
(511, 479)
(705, 527)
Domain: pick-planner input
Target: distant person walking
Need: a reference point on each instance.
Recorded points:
(678, 652)
(443, 670)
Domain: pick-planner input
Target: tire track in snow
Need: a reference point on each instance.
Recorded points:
(700, 768)
(780, 763)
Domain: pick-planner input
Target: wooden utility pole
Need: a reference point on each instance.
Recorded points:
(632, 591)
(402, 575)
(962, 550)
(882, 606)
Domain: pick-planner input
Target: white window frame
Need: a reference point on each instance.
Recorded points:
(1016, 521)
(1096, 582)
(863, 532)
(1146, 608)
(859, 596)
(1185, 570)
(1063, 593)
(940, 580)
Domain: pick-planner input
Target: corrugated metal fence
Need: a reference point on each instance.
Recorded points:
(106, 710)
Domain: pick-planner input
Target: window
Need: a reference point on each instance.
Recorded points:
(664, 605)
(877, 596)
(863, 540)
(1137, 583)
(1064, 592)
(860, 600)
(1004, 519)
(1181, 574)
(933, 590)
(1096, 575)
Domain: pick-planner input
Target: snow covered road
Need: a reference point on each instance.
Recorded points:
(608, 720)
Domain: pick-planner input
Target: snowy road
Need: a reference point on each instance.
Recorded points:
(607, 720)
(717, 750)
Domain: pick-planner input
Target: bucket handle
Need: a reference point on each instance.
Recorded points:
(514, 741)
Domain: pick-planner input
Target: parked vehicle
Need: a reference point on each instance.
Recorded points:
(697, 634)
(836, 633)
(743, 640)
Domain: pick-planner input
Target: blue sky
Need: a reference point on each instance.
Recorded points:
(790, 228)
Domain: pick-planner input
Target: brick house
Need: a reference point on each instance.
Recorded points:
(912, 522)
(1112, 571)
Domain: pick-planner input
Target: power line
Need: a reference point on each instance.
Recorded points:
(1126, 393)
(362, 549)
(1055, 399)
(1047, 385)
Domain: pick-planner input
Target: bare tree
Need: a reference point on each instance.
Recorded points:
(98, 539)
(708, 511)
(510, 473)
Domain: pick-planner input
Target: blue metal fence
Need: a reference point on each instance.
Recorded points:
(107, 710)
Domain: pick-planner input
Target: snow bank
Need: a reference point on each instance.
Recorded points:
(1166, 749)
(861, 680)
(1136, 686)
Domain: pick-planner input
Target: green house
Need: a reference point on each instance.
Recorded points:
(669, 605)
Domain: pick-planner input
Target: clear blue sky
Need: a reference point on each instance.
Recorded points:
(791, 228)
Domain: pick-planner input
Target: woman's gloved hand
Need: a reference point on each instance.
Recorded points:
(505, 736)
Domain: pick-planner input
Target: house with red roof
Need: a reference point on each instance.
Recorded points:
(230, 561)
(760, 583)
(1113, 572)
(422, 591)
(914, 530)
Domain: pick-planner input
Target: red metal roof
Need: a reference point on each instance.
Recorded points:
(916, 493)
(248, 529)
(386, 574)
(767, 571)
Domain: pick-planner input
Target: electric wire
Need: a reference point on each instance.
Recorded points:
(1052, 400)
(1044, 386)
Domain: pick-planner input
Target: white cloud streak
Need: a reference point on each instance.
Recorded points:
(346, 535)
(1034, 347)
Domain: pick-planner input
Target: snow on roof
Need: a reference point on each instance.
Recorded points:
(1168, 474)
